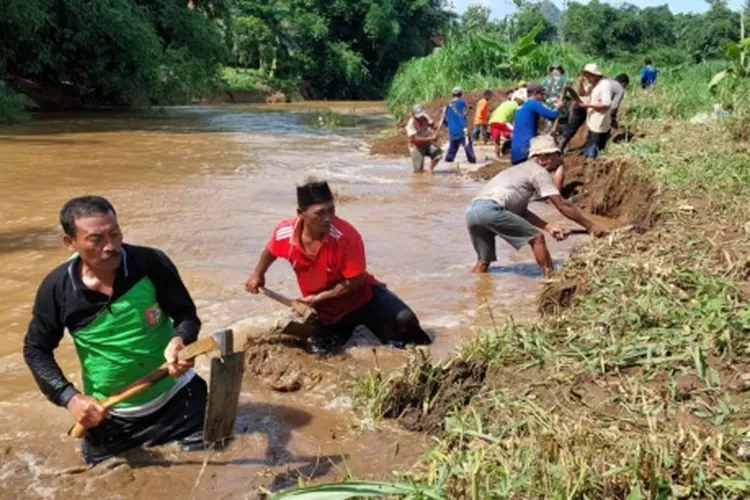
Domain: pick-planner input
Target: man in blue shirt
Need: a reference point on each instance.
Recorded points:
(648, 74)
(525, 126)
(454, 116)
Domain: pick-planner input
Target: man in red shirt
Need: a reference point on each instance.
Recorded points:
(328, 256)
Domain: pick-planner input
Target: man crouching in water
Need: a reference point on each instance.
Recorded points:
(128, 311)
(501, 208)
(328, 257)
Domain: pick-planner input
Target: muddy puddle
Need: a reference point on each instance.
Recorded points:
(207, 185)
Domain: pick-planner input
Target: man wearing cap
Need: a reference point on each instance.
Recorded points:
(501, 120)
(328, 256)
(598, 109)
(578, 114)
(454, 117)
(422, 140)
(501, 208)
(526, 122)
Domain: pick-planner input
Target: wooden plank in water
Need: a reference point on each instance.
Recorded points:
(223, 397)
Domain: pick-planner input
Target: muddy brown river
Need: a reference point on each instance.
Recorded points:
(207, 184)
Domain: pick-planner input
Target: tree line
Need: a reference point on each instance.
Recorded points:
(167, 51)
(620, 32)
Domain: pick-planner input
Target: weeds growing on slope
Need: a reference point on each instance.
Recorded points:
(636, 384)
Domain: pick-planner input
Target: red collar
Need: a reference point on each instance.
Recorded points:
(296, 239)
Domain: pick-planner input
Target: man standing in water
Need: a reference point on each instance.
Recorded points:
(501, 208)
(421, 140)
(128, 311)
(454, 116)
(328, 257)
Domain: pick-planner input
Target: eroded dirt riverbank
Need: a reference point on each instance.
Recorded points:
(207, 185)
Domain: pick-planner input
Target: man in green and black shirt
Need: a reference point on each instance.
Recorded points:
(128, 311)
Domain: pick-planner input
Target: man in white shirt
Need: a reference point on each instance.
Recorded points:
(422, 140)
(598, 108)
(501, 208)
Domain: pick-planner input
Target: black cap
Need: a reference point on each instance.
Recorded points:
(313, 193)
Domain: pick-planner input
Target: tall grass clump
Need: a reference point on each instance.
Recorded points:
(474, 61)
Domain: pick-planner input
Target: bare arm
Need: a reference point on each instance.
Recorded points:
(596, 107)
(535, 220)
(258, 278)
(340, 289)
(573, 213)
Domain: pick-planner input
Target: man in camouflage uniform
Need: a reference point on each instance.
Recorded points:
(553, 90)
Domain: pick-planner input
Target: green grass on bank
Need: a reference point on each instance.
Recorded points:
(475, 64)
(641, 389)
(255, 81)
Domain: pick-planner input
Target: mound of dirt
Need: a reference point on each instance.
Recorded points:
(395, 144)
(281, 362)
(422, 401)
(610, 188)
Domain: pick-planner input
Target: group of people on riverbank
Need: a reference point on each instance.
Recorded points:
(550, 108)
(557, 105)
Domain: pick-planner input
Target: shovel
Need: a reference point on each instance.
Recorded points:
(224, 392)
(304, 328)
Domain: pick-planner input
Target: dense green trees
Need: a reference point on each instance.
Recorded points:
(147, 51)
(110, 51)
(333, 48)
(141, 51)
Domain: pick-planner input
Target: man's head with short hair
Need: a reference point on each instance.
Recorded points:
(315, 205)
(623, 79)
(535, 91)
(648, 61)
(487, 94)
(91, 230)
(80, 207)
(557, 67)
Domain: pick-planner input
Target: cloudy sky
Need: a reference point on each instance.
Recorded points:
(501, 8)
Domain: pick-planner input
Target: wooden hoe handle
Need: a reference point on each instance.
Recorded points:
(190, 352)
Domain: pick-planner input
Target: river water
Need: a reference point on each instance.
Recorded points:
(207, 184)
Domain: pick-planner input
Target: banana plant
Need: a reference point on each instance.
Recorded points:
(738, 53)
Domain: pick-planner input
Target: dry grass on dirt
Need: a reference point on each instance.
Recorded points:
(635, 382)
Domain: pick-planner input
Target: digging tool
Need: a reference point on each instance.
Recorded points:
(220, 342)
(302, 309)
(622, 229)
(304, 328)
(225, 384)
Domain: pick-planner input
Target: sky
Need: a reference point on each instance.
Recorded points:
(501, 8)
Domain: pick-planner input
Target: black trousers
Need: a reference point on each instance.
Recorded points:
(386, 315)
(575, 121)
(181, 419)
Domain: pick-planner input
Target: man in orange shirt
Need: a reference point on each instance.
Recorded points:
(328, 256)
(482, 118)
